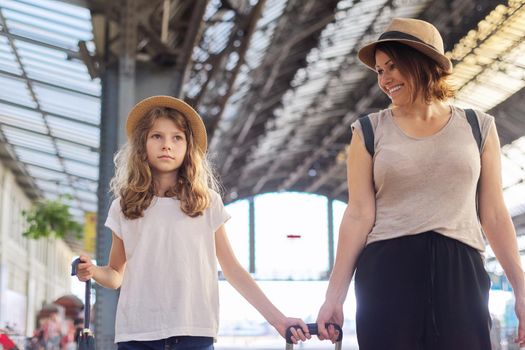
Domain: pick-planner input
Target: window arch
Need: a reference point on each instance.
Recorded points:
(291, 234)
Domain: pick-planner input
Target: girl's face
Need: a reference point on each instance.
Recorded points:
(166, 146)
(394, 84)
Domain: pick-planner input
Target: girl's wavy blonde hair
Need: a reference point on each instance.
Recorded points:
(133, 181)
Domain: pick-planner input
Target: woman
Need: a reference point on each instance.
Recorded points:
(418, 207)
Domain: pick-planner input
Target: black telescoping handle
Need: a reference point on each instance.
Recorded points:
(87, 302)
(312, 329)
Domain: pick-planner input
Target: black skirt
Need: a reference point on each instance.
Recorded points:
(423, 291)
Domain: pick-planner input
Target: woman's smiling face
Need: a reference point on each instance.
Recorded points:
(394, 84)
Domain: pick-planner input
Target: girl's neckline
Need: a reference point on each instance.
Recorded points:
(164, 199)
(440, 131)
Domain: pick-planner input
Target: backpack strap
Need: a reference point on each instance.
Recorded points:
(476, 132)
(368, 134)
(474, 125)
(368, 131)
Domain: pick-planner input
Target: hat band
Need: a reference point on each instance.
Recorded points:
(405, 36)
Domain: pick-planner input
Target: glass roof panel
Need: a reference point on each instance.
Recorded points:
(39, 34)
(40, 21)
(47, 93)
(6, 57)
(36, 58)
(58, 7)
(42, 12)
(27, 120)
(32, 66)
(15, 90)
(85, 196)
(91, 87)
(40, 159)
(73, 151)
(50, 186)
(8, 61)
(86, 185)
(78, 184)
(44, 51)
(32, 56)
(69, 130)
(46, 174)
(28, 139)
(86, 110)
(489, 69)
(78, 169)
(81, 107)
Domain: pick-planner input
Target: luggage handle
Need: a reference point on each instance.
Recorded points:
(312, 329)
(87, 306)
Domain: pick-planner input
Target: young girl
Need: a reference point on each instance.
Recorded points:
(168, 231)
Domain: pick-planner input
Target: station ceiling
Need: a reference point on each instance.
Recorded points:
(277, 83)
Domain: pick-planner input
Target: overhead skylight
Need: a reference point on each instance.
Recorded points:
(491, 68)
(49, 106)
(491, 59)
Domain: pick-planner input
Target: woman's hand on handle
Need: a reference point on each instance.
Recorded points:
(329, 313)
(519, 308)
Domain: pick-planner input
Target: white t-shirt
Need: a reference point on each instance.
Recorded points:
(169, 286)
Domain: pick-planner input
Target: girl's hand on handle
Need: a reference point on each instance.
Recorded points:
(85, 268)
(297, 334)
(329, 313)
(519, 308)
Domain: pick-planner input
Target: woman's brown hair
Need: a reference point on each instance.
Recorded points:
(427, 77)
(133, 181)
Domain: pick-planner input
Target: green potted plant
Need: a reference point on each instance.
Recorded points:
(51, 218)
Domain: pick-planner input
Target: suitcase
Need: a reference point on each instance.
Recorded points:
(312, 328)
(85, 340)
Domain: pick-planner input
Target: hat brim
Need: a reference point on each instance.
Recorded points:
(367, 53)
(194, 119)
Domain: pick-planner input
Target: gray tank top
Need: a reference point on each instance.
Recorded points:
(427, 184)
